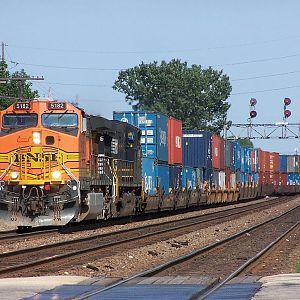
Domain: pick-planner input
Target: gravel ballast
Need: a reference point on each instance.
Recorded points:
(139, 259)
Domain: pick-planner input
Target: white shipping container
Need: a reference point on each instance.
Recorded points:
(222, 182)
(233, 180)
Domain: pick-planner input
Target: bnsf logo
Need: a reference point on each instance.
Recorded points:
(35, 157)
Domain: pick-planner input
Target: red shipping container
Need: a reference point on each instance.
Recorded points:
(274, 178)
(218, 149)
(263, 161)
(227, 178)
(264, 178)
(274, 162)
(282, 179)
(174, 141)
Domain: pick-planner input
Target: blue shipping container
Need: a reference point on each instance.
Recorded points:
(243, 178)
(154, 127)
(283, 163)
(291, 180)
(199, 177)
(175, 177)
(237, 155)
(154, 174)
(197, 149)
(188, 178)
(162, 174)
(243, 165)
(254, 160)
(149, 175)
(207, 175)
(247, 161)
(254, 178)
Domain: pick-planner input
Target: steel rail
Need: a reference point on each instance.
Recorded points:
(245, 265)
(12, 234)
(55, 246)
(180, 259)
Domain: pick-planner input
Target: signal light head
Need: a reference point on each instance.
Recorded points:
(253, 114)
(287, 101)
(253, 101)
(287, 113)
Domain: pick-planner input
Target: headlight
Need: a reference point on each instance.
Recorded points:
(14, 175)
(36, 138)
(55, 174)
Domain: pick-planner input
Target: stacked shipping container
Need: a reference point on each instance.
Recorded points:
(182, 160)
(289, 168)
(154, 144)
(197, 152)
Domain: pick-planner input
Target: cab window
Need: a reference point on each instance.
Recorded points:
(19, 120)
(59, 120)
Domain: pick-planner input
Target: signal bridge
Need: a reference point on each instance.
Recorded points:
(278, 130)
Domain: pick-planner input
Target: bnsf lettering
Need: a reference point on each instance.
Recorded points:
(36, 157)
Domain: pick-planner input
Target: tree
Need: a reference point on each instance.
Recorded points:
(246, 143)
(11, 89)
(194, 95)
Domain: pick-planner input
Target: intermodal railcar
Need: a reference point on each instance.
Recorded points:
(59, 165)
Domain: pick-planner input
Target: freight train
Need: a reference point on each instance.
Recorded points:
(59, 165)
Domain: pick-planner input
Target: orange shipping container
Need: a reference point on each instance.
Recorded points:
(174, 141)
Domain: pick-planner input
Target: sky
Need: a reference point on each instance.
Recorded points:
(79, 46)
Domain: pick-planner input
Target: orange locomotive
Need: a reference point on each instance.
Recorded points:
(59, 165)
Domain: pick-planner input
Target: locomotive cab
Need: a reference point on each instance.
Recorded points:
(40, 162)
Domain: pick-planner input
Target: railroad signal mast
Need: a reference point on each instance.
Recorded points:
(264, 130)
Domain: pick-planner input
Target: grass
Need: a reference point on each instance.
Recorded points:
(298, 266)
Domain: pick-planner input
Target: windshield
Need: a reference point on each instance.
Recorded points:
(20, 120)
(59, 120)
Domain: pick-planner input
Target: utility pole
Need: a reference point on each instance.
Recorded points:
(2, 65)
(20, 81)
(2, 56)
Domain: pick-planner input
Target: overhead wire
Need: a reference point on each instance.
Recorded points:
(157, 51)
(266, 90)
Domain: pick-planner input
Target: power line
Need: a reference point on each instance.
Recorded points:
(77, 84)
(265, 76)
(120, 69)
(255, 60)
(267, 90)
(156, 51)
(66, 67)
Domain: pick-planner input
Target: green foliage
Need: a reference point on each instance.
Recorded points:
(194, 95)
(246, 143)
(298, 266)
(11, 89)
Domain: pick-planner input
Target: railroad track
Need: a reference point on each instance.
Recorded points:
(19, 236)
(104, 245)
(15, 235)
(213, 254)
